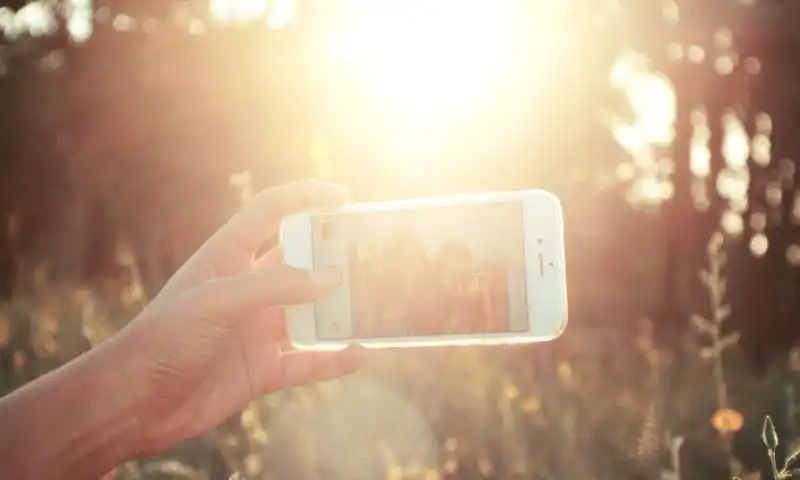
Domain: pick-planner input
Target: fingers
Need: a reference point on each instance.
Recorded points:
(246, 231)
(303, 367)
(272, 257)
(276, 285)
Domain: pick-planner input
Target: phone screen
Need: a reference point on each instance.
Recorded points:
(432, 271)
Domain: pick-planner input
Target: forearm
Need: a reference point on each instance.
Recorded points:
(76, 422)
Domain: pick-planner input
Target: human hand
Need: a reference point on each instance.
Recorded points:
(210, 341)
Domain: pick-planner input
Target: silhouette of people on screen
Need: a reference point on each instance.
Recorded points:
(404, 269)
(463, 302)
(399, 290)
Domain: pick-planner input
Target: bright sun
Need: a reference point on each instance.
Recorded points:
(426, 56)
(431, 58)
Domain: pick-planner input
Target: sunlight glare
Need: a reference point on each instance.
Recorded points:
(732, 223)
(232, 11)
(652, 99)
(759, 244)
(699, 151)
(426, 56)
(281, 12)
(79, 20)
(653, 102)
(736, 144)
(36, 19)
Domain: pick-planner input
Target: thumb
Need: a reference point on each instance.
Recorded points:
(268, 287)
(304, 367)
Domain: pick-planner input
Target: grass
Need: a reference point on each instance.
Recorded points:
(543, 412)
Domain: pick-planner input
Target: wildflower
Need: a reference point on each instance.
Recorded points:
(727, 421)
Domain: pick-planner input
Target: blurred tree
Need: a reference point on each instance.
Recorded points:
(132, 133)
(126, 131)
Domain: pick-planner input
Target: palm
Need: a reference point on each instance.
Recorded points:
(230, 383)
(210, 341)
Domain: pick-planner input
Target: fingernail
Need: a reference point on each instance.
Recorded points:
(326, 278)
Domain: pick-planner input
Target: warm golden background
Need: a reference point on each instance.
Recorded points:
(130, 129)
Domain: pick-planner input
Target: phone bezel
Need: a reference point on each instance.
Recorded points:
(545, 276)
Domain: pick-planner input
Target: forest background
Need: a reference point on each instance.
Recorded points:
(130, 130)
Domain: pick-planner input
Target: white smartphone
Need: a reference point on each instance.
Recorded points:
(482, 268)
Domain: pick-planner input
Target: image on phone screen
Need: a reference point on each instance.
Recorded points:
(454, 270)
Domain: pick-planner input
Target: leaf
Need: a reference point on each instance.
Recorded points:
(723, 312)
(715, 243)
(707, 353)
(768, 434)
(791, 459)
(702, 324)
(705, 277)
(729, 340)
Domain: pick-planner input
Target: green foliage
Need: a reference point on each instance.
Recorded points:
(768, 434)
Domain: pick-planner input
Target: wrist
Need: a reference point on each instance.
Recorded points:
(126, 385)
(76, 422)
